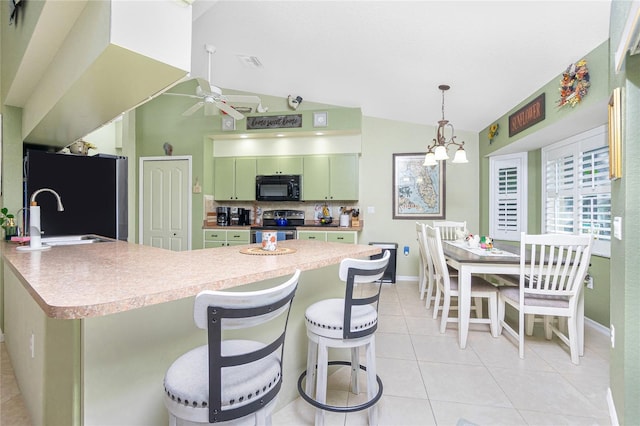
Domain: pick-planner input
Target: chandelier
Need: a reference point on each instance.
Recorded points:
(438, 150)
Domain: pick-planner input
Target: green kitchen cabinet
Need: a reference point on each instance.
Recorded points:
(221, 238)
(345, 237)
(234, 179)
(279, 165)
(312, 235)
(236, 237)
(330, 177)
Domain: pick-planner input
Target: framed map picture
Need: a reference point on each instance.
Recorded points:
(418, 190)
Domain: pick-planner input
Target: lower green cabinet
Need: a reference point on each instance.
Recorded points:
(346, 237)
(342, 237)
(312, 235)
(222, 238)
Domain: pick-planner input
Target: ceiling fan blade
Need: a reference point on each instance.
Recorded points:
(242, 99)
(204, 85)
(193, 109)
(184, 95)
(229, 110)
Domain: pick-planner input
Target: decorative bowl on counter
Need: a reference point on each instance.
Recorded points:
(326, 220)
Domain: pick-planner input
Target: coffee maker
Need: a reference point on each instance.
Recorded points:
(244, 217)
(224, 216)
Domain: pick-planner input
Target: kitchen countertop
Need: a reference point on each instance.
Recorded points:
(308, 226)
(91, 280)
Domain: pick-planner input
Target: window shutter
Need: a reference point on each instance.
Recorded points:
(578, 189)
(507, 196)
(559, 205)
(507, 220)
(595, 193)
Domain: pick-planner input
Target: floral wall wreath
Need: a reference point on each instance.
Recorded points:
(574, 84)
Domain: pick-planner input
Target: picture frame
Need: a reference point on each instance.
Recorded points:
(419, 191)
(615, 134)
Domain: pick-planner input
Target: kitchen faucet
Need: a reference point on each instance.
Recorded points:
(35, 237)
(21, 231)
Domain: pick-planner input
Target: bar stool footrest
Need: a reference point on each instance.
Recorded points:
(338, 409)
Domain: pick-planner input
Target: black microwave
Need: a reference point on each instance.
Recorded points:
(278, 187)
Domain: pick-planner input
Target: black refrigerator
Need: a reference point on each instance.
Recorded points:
(93, 190)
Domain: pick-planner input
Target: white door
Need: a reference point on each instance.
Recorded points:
(165, 202)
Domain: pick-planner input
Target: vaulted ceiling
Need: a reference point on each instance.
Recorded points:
(389, 57)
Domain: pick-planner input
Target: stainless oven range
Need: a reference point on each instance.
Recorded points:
(284, 222)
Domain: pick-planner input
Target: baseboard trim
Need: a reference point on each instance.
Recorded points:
(406, 278)
(613, 415)
(597, 326)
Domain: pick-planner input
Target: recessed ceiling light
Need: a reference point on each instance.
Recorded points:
(250, 61)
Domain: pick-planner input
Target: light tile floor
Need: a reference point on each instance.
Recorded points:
(428, 380)
(12, 409)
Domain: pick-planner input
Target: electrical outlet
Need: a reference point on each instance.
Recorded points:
(371, 209)
(613, 336)
(32, 345)
(589, 281)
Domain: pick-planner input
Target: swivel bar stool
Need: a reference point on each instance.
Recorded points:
(232, 380)
(345, 323)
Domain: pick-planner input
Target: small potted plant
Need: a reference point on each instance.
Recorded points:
(7, 221)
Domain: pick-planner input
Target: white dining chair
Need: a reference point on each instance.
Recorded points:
(449, 229)
(448, 285)
(426, 279)
(552, 272)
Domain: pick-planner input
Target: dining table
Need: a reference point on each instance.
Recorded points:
(502, 259)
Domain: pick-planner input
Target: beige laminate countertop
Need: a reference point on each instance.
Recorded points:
(91, 280)
(308, 226)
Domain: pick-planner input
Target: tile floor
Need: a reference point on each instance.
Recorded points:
(428, 380)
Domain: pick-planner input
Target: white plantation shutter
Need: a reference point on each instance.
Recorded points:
(507, 196)
(577, 188)
(559, 203)
(595, 193)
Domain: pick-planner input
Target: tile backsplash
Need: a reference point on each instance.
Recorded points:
(312, 210)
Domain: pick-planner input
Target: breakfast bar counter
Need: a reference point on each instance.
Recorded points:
(91, 329)
(89, 280)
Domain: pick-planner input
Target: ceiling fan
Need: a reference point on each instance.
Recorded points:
(210, 97)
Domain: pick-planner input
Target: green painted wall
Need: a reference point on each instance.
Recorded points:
(625, 268)
(380, 140)
(596, 300)
(161, 120)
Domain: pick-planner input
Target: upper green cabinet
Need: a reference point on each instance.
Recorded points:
(234, 178)
(330, 177)
(279, 165)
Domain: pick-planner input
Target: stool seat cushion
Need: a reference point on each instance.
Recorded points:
(187, 380)
(326, 318)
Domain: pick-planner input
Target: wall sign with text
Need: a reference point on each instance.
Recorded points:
(274, 122)
(527, 116)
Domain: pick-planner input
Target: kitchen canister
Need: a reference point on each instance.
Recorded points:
(344, 220)
(269, 241)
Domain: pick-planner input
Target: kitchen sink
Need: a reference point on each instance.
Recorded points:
(72, 240)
